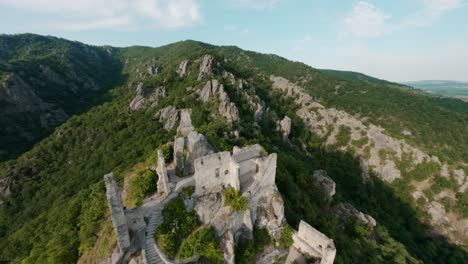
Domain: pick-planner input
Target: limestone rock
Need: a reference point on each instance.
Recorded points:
(145, 97)
(346, 210)
(206, 67)
(163, 179)
(185, 126)
(169, 116)
(229, 110)
(210, 89)
(183, 67)
(327, 183)
(390, 171)
(285, 127)
(5, 189)
(437, 212)
(153, 70)
(227, 246)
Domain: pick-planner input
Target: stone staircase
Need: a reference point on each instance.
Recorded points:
(156, 218)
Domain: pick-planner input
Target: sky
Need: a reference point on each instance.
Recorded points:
(396, 40)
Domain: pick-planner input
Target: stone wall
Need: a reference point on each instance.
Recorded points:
(215, 171)
(119, 220)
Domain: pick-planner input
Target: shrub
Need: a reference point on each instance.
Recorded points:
(201, 242)
(343, 136)
(234, 199)
(286, 237)
(246, 249)
(167, 152)
(424, 170)
(178, 224)
(141, 185)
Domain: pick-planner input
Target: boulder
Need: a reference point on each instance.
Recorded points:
(327, 183)
(146, 96)
(285, 127)
(227, 246)
(345, 210)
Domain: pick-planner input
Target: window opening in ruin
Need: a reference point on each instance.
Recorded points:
(217, 172)
(226, 172)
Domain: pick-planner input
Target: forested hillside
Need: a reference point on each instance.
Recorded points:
(52, 197)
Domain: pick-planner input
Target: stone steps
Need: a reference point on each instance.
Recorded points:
(152, 256)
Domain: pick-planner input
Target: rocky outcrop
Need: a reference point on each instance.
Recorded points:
(377, 151)
(345, 210)
(285, 127)
(170, 116)
(212, 89)
(147, 97)
(206, 69)
(326, 183)
(5, 189)
(185, 125)
(163, 179)
(183, 68)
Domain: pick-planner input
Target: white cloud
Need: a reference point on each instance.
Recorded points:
(115, 14)
(365, 20)
(257, 4)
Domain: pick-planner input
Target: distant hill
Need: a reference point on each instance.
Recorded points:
(356, 76)
(443, 87)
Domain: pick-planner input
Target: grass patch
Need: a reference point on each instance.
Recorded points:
(202, 242)
(141, 185)
(234, 199)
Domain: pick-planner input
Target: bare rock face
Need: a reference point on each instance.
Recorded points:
(325, 182)
(285, 127)
(185, 125)
(183, 67)
(390, 171)
(147, 97)
(153, 70)
(437, 212)
(346, 210)
(270, 214)
(206, 67)
(226, 108)
(169, 116)
(210, 89)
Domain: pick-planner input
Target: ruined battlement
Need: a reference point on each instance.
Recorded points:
(237, 170)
